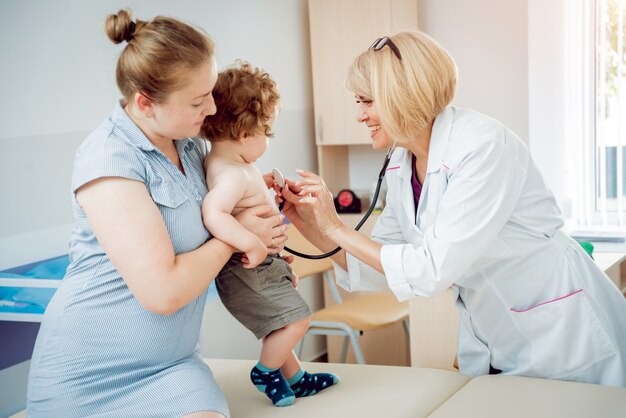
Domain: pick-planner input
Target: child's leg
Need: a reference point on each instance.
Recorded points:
(277, 346)
(291, 366)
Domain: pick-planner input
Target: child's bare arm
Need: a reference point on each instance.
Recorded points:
(217, 207)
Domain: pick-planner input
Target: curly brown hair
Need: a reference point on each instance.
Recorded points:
(246, 98)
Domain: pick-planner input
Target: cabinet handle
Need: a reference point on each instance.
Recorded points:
(320, 128)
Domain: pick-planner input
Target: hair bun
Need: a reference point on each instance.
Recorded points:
(130, 34)
(120, 27)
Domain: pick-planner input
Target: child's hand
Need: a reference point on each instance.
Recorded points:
(255, 256)
(294, 279)
(278, 199)
(269, 181)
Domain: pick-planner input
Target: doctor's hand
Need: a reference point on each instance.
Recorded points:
(311, 204)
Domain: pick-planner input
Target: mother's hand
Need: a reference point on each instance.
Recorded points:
(265, 223)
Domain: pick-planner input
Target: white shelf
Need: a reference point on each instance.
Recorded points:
(46, 283)
(20, 317)
(606, 261)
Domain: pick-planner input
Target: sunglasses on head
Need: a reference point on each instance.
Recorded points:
(380, 44)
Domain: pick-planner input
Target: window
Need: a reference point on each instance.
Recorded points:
(596, 111)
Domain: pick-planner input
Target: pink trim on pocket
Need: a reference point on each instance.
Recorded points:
(550, 301)
(393, 168)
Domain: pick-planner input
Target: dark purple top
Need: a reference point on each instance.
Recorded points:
(417, 187)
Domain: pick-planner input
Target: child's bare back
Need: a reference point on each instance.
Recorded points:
(235, 174)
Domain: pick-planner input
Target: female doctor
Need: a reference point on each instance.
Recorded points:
(468, 209)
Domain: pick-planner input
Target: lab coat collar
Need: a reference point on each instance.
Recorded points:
(404, 161)
(439, 138)
(401, 164)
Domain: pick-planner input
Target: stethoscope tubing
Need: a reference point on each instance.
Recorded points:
(381, 176)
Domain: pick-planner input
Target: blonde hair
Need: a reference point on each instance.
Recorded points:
(158, 56)
(246, 98)
(409, 92)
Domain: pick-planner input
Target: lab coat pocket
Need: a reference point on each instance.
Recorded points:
(167, 193)
(565, 335)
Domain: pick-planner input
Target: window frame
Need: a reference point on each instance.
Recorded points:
(586, 151)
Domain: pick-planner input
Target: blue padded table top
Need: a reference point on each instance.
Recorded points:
(51, 268)
(27, 289)
(24, 294)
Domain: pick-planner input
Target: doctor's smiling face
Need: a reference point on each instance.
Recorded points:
(368, 114)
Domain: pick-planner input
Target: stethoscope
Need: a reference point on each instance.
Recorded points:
(280, 180)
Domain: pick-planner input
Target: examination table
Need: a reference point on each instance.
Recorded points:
(409, 392)
(367, 391)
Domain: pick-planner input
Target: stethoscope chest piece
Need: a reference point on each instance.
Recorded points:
(278, 177)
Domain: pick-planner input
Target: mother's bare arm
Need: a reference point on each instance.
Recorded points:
(130, 229)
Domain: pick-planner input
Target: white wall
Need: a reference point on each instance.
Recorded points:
(546, 68)
(489, 42)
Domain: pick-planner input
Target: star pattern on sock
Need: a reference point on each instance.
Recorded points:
(311, 383)
(274, 385)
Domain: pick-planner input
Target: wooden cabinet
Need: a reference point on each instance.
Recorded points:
(340, 30)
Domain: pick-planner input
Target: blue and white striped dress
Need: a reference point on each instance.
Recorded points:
(99, 352)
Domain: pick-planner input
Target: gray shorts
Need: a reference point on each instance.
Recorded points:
(263, 298)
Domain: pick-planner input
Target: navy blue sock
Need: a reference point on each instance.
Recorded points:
(273, 384)
(307, 384)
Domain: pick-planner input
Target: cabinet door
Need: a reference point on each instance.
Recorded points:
(340, 30)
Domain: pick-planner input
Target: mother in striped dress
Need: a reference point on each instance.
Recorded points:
(120, 337)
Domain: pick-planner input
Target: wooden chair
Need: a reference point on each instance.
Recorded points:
(349, 318)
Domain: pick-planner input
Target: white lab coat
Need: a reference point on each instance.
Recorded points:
(531, 301)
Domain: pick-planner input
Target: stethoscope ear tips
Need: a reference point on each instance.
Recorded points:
(278, 177)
